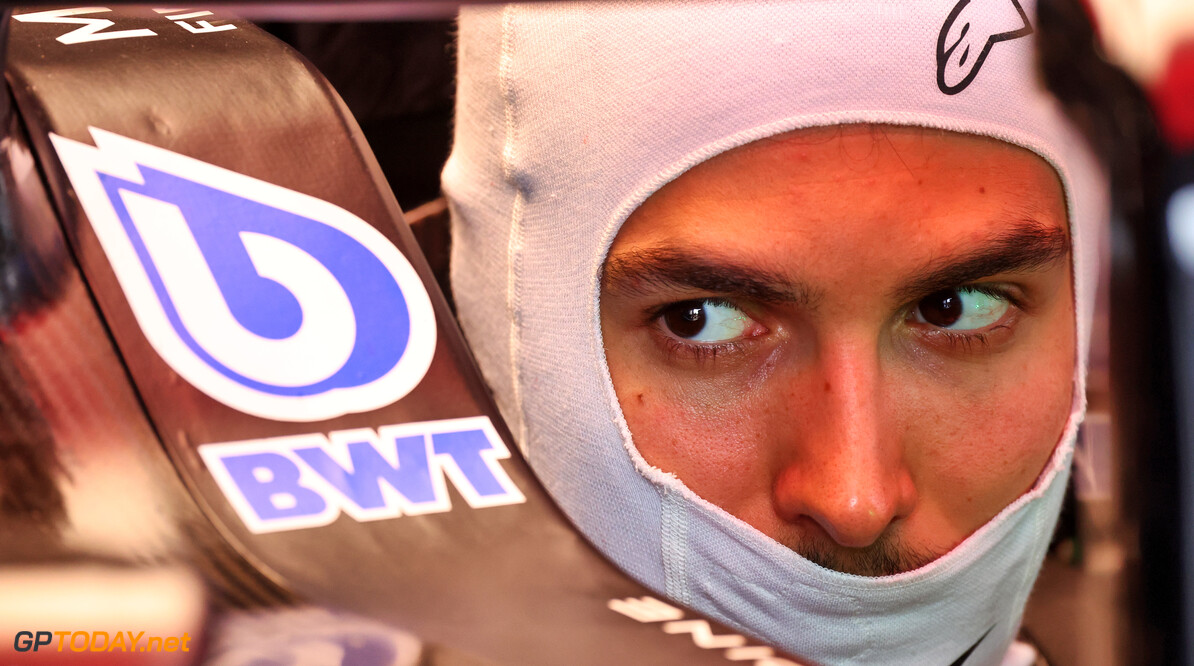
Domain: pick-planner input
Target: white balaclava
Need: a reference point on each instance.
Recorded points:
(570, 115)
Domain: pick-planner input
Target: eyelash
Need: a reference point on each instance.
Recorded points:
(701, 353)
(966, 341)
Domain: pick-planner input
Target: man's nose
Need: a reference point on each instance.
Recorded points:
(844, 463)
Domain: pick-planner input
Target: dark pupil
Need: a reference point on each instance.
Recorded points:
(685, 319)
(942, 308)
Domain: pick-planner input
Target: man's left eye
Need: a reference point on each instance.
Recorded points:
(961, 309)
(706, 320)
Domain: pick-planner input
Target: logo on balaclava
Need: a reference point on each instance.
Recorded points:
(966, 38)
(966, 655)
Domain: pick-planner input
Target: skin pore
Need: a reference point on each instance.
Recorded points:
(859, 340)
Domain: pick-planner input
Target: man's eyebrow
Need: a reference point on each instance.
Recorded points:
(640, 270)
(1026, 246)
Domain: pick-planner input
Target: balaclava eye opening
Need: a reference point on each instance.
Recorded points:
(569, 116)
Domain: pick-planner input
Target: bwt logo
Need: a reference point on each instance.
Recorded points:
(303, 481)
(270, 301)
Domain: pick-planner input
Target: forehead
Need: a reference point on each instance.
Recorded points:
(897, 192)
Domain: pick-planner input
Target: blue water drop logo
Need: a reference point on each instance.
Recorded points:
(273, 302)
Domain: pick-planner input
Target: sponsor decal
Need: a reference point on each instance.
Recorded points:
(650, 610)
(270, 301)
(969, 33)
(304, 481)
(92, 29)
(190, 20)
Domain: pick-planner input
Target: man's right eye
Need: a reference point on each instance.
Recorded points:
(706, 320)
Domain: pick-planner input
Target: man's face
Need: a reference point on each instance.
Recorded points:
(858, 340)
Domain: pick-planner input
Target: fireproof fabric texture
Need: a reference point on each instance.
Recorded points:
(569, 116)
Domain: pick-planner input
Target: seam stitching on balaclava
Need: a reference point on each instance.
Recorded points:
(514, 243)
(674, 546)
(868, 628)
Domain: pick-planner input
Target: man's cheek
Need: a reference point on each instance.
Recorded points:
(703, 440)
(992, 442)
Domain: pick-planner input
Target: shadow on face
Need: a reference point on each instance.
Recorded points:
(859, 340)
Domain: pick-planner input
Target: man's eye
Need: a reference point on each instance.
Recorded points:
(962, 309)
(705, 320)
